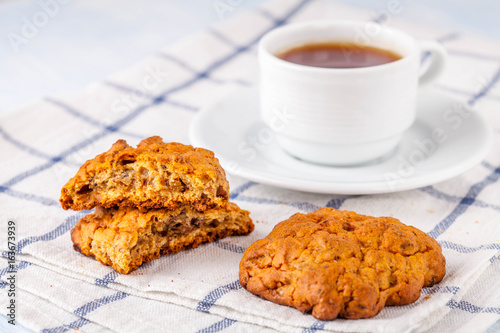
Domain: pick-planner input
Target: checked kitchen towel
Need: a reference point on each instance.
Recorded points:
(43, 144)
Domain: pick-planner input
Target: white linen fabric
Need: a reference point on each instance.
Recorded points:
(43, 144)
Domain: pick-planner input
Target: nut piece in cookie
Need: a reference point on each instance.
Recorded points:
(126, 238)
(153, 175)
(342, 264)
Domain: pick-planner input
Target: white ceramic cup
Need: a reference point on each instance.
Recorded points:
(342, 116)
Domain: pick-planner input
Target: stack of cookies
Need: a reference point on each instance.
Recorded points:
(158, 198)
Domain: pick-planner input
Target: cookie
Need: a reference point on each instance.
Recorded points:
(153, 175)
(342, 264)
(126, 238)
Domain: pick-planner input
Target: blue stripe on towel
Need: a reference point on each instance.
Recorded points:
(209, 300)
(138, 92)
(471, 308)
(336, 203)
(84, 310)
(229, 247)
(30, 197)
(440, 289)
(464, 203)
(61, 229)
(218, 326)
(453, 198)
(235, 193)
(484, 91)
(107, 279)
(316, 326)
(199, 75)
(467, 249)
(88, 119)
(221, 37)
(7, 270)
(24, 147)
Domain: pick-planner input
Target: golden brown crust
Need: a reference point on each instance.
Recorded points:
(126, 238)
(153, 175)
(339, 263)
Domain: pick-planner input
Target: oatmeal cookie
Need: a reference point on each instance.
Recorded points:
(126, 238)
(342, 264)
(153, 175)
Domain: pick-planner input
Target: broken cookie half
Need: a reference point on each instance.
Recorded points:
(153, 175)
(341, 264)
(126, 238)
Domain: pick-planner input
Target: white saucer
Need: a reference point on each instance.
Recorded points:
(247, 148)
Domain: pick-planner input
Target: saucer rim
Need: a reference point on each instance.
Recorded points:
(347, 188)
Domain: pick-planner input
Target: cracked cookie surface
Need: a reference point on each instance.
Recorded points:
(341, 264)
(153, 175)
(126, 238)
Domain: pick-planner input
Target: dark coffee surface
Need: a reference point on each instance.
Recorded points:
(338, 55)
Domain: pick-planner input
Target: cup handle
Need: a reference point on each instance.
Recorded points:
(439, 58)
